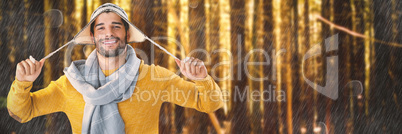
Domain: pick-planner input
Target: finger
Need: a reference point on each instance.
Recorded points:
(197, 67)
(202, 67)
(37, 65)
(182, 64)
(26, 68)
(31, 65)
(20, 68)
(178, 62)
(188, 69)
(42, 61)
(193, 66)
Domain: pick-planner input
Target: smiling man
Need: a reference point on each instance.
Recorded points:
(109, 47)
(112, 91)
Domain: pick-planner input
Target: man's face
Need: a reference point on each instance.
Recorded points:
(110, 35)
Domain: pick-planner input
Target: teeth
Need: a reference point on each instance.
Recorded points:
(110, 42)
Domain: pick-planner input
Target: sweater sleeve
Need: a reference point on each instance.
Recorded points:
(203, 95)
(24, 105)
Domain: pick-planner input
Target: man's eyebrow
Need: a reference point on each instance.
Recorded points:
(99, 24)
(117, 23)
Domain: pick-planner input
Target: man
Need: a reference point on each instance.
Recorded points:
(112, 91)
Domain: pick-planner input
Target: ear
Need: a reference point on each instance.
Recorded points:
(128, 35)
(92, 37)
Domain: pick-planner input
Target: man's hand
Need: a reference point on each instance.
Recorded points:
(28, 71)
(192, 68)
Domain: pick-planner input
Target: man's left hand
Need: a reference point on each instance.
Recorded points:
(192, 68)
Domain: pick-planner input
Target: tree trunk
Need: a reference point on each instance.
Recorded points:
(239, 117)
(270, 120)
(383, 93)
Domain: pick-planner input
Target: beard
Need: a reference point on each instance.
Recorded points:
(101, 48)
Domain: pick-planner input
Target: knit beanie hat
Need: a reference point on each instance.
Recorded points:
(84, 36)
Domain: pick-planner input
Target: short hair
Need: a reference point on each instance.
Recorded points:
(126, 27)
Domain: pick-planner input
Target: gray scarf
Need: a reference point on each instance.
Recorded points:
(101, 94)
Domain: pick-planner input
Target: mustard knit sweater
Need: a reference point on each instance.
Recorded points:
(140, 113)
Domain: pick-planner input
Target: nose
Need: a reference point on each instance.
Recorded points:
(108, 32)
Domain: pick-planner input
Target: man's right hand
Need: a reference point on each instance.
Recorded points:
(28, 71)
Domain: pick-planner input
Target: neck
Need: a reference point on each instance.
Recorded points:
(109, 63)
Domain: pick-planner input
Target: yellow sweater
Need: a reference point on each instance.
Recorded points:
(140, 113)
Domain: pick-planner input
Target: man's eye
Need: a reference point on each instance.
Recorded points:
(116, 26)
(101, 28)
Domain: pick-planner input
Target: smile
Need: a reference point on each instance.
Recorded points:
(110, 42)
